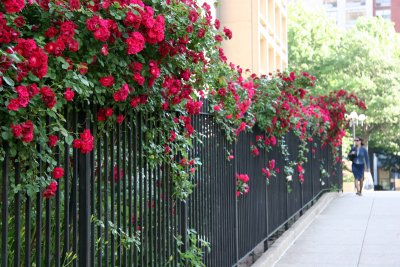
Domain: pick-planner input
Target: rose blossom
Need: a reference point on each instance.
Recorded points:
(50, 191)
(69, 94)
(135, 43)
(107, 81)
(53, 139)
(58, 172)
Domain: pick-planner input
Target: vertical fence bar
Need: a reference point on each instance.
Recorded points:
(74, 189)
(106, 173)
(118, 181)
(57, 215)
(17, 199)
(130, 192)
(4, 209)
(124, 217)
(28, 231)
(92, 197)
(99, 214)
(66, 191)
(39, 220)
(112, 215)
(140, 167)
(134, 126)
(48, 229)
(84, 202)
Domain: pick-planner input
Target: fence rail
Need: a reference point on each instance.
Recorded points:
(113, 208)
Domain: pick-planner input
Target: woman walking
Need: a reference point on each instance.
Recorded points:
(359, 156)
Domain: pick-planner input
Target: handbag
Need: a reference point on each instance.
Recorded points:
(351, 156)
(368, 181)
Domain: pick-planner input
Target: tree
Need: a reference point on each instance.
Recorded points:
(364, 60)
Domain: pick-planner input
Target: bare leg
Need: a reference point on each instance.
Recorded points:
(357, 186)
(361, 184)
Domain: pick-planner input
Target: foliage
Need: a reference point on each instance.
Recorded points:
(158, 59)
(193, 255)
(364, 60)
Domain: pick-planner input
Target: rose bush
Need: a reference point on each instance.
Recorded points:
(138, 56)
(161, 59)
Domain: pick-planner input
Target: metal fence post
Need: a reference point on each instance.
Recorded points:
(84, 201)
(184, 226)
(4, 210)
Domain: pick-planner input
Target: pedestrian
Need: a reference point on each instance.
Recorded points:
(359, 156)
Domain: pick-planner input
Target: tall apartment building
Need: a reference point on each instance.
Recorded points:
(259, 28)
(346, 12)
(343, 12)
(388, 9)
(259, 33)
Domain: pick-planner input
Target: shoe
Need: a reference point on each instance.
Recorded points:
(358, 194)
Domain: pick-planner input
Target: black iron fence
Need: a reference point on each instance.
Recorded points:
(113, 208)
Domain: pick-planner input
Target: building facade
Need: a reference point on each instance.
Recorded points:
(346, 12)
(388, 9)
(259, 33)
(259, 27)
(343, 12)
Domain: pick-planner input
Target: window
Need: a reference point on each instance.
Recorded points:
(381, 3)
(351, 17)
(330, 3)
(353, 3)
(384, 13)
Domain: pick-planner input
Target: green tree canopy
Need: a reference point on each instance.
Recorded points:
(364, 60)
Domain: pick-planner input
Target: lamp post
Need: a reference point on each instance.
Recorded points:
(354, 119)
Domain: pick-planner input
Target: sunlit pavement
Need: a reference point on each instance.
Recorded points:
(351, 231)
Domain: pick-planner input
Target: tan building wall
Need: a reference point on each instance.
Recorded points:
(259, 33)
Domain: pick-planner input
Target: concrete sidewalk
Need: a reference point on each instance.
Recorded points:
(351, 231)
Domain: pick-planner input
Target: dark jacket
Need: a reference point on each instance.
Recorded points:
(361, 157)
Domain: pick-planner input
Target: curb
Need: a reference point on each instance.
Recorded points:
(284, 242)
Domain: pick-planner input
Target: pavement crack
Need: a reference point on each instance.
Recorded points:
(365, 232)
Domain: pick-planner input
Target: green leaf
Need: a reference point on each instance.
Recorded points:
(33, 78)
(6, 135)
(69, 139)
(8, 80)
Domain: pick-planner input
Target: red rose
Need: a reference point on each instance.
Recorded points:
(68, 28)
(228, 33)
(138, 78)
(16, 130)
(120, 119)
(13, 6)
(23, 95)
(83, 68)
(28, 137)
(107, 81)
(32, 90)
(135, 43)
(74, 4)
(19, 21)
(85, 143)
(69, 94)
(50, 191)
(73, 45)
(51, 32)
(132, 20)
(27, 131)
(108, 112)
(102, 34)
(122, 93)
(13, 104)
(58, 172)
(53, 139)
(104, 50)
(201, 33)
(48, 96)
